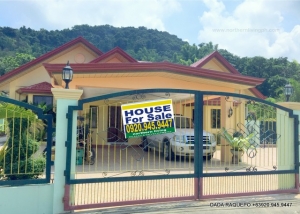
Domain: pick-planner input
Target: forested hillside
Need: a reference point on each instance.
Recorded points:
(18, 46)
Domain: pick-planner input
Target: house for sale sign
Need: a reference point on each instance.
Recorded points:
(148, 118)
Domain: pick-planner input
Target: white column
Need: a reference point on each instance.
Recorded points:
(65, 98)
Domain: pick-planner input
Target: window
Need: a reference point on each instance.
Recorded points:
(215, 118)
(94, 116)
(40, 99)
(183, 123)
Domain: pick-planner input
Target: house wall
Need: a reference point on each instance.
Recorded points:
(215, 65)
(114, 60)
(285, 145)
(99, 135)
(77, 54)
(35, 76)
(247, 92)
(148, 82)
(207, 121)
(31, 199)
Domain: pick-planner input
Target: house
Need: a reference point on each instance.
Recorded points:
(98, 73)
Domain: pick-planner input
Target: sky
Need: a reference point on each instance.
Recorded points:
(267, 28)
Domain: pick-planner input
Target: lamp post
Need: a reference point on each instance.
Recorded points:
(288, 91)
(67, 75)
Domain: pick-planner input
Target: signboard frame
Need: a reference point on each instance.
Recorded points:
(148, 118)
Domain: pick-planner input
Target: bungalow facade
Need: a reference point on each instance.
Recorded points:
(98, 73)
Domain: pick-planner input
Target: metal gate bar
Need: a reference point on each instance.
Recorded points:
(208, 175)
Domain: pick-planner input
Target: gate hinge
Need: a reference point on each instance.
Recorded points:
(65, 172)
(67, 115)
(66, 143)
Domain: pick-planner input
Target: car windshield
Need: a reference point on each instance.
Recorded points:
(183, 123)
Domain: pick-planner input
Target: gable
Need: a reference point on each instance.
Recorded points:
(115, 58)
(116, 55)
(215, 59)
(214, 64)
(55, 55)
(34, 72)
(77, 54)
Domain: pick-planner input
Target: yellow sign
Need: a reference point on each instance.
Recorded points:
(148, 118)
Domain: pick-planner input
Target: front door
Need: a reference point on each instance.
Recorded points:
(115, 127)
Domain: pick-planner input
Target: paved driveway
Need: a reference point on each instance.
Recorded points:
(118, 159)
(267, 203)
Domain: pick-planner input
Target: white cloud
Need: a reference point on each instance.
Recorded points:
(118, 13)
(253, 28)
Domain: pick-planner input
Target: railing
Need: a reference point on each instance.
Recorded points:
(208, 170)
(21, 146)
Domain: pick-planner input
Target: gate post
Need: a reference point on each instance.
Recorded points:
(198, 155)
(295, 106)
(65, 98)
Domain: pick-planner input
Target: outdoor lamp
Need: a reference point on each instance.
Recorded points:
(288, 91)
(67, 75)
(230, 112)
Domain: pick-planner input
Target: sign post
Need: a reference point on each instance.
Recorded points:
(148, 118)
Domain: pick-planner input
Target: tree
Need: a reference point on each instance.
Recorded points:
(296, 95)
(142, 44)
(9, 63)
(16, 155)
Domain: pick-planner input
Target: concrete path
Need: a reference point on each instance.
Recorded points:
(280, 203)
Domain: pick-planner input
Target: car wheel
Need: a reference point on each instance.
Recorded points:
(145, 144)
(208, 157)
(168, 153)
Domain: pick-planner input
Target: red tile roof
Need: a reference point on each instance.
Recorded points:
(42, 88)
(112, 52)
(48, 55)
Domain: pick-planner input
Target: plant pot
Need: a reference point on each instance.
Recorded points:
(236, 155)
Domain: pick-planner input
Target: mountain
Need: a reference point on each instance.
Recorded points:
(105, 37)
(18, 46)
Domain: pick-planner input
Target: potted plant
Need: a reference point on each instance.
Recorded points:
(239, 144)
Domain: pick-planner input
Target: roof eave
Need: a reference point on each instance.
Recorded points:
(137, 67)
(30, 91)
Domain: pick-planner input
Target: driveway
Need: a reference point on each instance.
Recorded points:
(121, 159)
